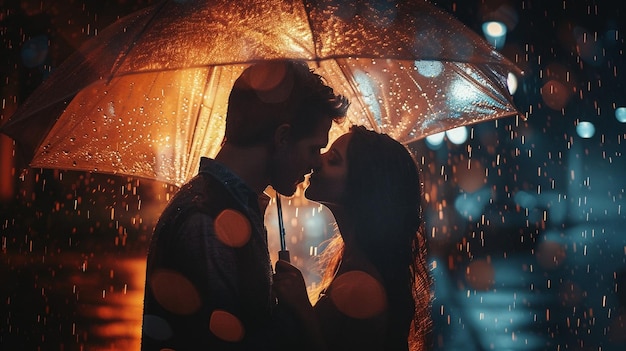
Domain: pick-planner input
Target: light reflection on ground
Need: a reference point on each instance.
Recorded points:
(98, 308)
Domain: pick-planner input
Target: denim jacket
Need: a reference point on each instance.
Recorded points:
(204, 290)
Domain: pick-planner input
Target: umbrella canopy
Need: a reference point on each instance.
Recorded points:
(147, 97)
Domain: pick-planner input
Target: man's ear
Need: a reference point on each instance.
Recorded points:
(282, 134)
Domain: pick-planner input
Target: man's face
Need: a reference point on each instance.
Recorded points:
(296, 159)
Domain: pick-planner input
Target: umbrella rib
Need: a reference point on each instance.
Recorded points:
(348, 76)
(210, 73)
(426, 97)
(313, 35)
(489, 93)
(122, 57)
(316, 58)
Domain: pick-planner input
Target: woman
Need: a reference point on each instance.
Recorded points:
(375, 289)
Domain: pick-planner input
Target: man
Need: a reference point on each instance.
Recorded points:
(208, 279)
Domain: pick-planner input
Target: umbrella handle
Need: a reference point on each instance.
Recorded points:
(283, 254)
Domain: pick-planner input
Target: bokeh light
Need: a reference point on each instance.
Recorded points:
(232, 228)
(174, 292)
(358, 295)
(457, 135)
(35, 51)
(512, 83)
(480, 275)
(495, 33)
(434, 141)
(585, 129)
(555, 94)
(620, 114)
(226, 326)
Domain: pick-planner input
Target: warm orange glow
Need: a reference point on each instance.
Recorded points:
(555, 94)
(119, 312)
(480, 275)
(175, 292)
(358, 295)
(226, 326)
(470, 176)
(266, 77)
(232, 228)
(7, 169)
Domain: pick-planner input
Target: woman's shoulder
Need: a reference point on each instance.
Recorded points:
(357, 290)
(359, 269)
(353, 310)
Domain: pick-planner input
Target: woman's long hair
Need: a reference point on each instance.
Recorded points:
(383, 196)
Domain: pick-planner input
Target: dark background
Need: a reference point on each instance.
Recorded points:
(525, 220)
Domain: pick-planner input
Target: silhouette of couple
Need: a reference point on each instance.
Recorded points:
(209, 280)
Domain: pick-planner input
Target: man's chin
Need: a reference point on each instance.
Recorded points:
(309, 194)
(287, 191)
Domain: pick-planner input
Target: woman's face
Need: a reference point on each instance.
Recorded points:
(327, 183)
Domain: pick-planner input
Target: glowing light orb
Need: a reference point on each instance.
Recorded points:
(35, 51)
(480, 275)
(495, 33)
(555, 94)
(435, 140)
(457, 135)
(174, 292)
(585, 129)
(511, 82)
(494, 28)
(358, 295)
(233, 228)
(226, 326)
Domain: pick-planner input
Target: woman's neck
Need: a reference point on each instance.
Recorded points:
(345, 224)
(352, 254)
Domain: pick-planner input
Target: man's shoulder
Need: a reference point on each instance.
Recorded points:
(202, 195)
(204, 191)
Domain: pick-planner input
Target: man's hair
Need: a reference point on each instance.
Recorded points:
(272, 93)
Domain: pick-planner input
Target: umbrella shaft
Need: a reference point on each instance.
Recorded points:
(281, 225)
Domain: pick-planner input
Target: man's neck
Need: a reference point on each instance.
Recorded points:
(249, 163)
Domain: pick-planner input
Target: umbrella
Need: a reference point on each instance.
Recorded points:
(147, 96)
